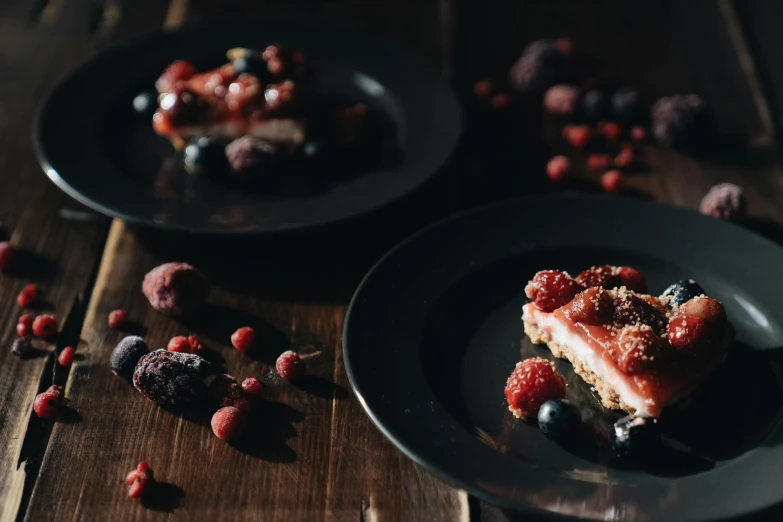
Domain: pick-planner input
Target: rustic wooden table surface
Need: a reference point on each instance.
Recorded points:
(317, 456)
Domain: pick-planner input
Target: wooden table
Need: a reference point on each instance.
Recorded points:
(317, 456)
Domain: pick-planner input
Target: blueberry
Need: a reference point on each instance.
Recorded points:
(126, 354)
(635, 437)
(683, 291)
(205, 153)
(595, 105)
(626, 106)
(144, 103)
(251, 64)
(558, 420)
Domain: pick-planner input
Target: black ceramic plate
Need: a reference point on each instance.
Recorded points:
(93, 146)
(434, 331)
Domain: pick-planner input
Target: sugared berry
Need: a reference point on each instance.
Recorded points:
(483, 89)
(635, 437)
(707, 308)
(595, 105)
(22, 346)
(178, 71)
(682, 291)
(66, 356)
(603, 276)
(626, 106)
(289, 365)
(244, 339)
(45, 326)
(175, 289)
(228, 423)
(6, 255)
(558, 168)
(690, 335)
(139, 480)
(170, 379)
(533, 382)
(27, 296)
(638, 133)
(179, 344)
(205, 153)
(681, 120)
(559, 421)
(225, 390)
(632, 279)
(47, 404)
(561, 100)
(117, 318)
(725, 201)
(126, 355)
(195, 344)
(577, 135)
(633, 309)
(253, 389)
(25, 325)
(551, 289)
(501, 101)
(593, 306)
(599, 162)
(612, 180)
(638, 349)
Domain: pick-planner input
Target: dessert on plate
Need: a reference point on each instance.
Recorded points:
(640, 352)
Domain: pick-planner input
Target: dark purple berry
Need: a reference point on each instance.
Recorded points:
(626, 106)
(126, 355)
(22, 346)
(595, 105)
(537, 69)
(681, 120)
(248, 154)
(170, 378)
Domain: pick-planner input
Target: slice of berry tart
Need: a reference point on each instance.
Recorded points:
(640, 352)
(263, 94)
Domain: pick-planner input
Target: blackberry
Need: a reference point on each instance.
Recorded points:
(537, 69)
(169, 378)
(681, 121)
(126, 355)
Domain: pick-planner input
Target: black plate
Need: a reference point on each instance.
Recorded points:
(94, 147)
(434, 331)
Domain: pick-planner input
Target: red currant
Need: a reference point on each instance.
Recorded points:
(244, 339)
(558, 168)
(25, 325)
(501, 101)
(6, 255)
(577, 135)
(253, 389)
(27, 296)
(599, 162)
(45, 326)
(612, 180)
(483, 89)
(66, 356)
(117, 318)
(611, 131)
(47, 404)
(179, 344)
(195, 344)
(289, 365)
(228, 423)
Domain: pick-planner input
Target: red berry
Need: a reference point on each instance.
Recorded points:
(25, 325)
(558, 168)
(195, 344)
(501, 101)
(179, 344)
(551, 289)
(637, 349)
(611, 181)
(638, 133)
(27, 296)
(532, 383)
(178, 71)
(243, 339)
(45, 326)
(289, 365)
(599, 161)
(47, 404)
(139, 480)
(603, 276)
(66, 356)
(632, 309)
(706, 308)
(228, 423)
(611, 131)
(117, 318)
(253, 389)
(577, 135)
(561, 100)
(6, 255)
(632, 279)
(483, 88)
(564, 46)
(594, 306)
(143, 467)
(690, 335)
(624, 159)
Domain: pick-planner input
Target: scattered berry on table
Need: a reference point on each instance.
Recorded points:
(27, 296)
(635, 437)
(22, 346)
(690, 335)
(243, 339)
(228, 423)
(577, 135)
(593, 306)
(724, 201)
(253, 389)
(624, 159)
(195, 344)
(117, 318)
(551, 289)
(45, 326)
(483, 89)
(289, 365)
(179, 344)
(205, 152)
(682, 291)
(559, 421)
(603, 276)
(599, 162)
(25, 325)
(6, 255)
(632, 279)
(175, 289)
(595, 105)
(66, 356)
(638, 133)
(47, 404)
(537, 69)
(611, 131)
(139, 480)
(169, 378)
(126, 355)
(612, 180)
(558, 168)
(533, 382)
(680, 121)
(226, 391)
(638, 349)
(626, 106)
(561, 100)
(500, 101)
(248, 154)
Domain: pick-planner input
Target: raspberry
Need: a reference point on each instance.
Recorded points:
(680, 121)
(500, 101)
(139, 480)
(637, 349)
(126, 355)
(244, 339)
(253, 389)
(22, 346)
(724, 201)
(551, 289)
(561, 100)
(45, 326)
(25, 325)
(248, 154)
(706, 308)
(611, 131)
(603, 276)
(47, 404)
(577, 135)
(6, 255)
(690, 335)
(537, 69)
(483, 89)
(195, 344)
(638, 133)
(632, 279)
(558, 168)
(27, 296)
(593, 306)
(533, 382)
(228, 423)
(178, 71)
(624, 159)
(289, 365)
(179, 344)
(117, 318)
(612, 180)
(170, 379)
(66, 356)
(632, 309)
(599, 162)
(175, 289)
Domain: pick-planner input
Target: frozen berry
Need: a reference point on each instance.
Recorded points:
(561, 100)
(533, 382)
(205, 153)
(558, 168)
(632, 279)
(22, 346)
(179, 344)
(139, 480)
(624, 159)
(724, 201)
(6, 255)
(681, 120)
(593, 306)
(45, 326)
(690, 335)
(577, 135)
(709, 309)
(66, 356)
(500, 101)
(244, 339)
(175, 289)
(228, 423)
(682, 291)
(483, 89)
(611, 131)
(604, 276)
(27, 296)
(248, 155)
(638, 133)
(223, 387)
(117, 318)
(595, 105)
(126, 355)
(551, 289)
(612, 180)
(638, 349)
(178, 71)
(195, 344)
(537, 69)
(635, 437)
(25, 325)
(253, 389)
(626, 106)
(170, 379)
(559, 420)
(289, 365)
(47, 404)
(599, 162)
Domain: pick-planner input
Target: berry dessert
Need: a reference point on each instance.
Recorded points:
(640, 352)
